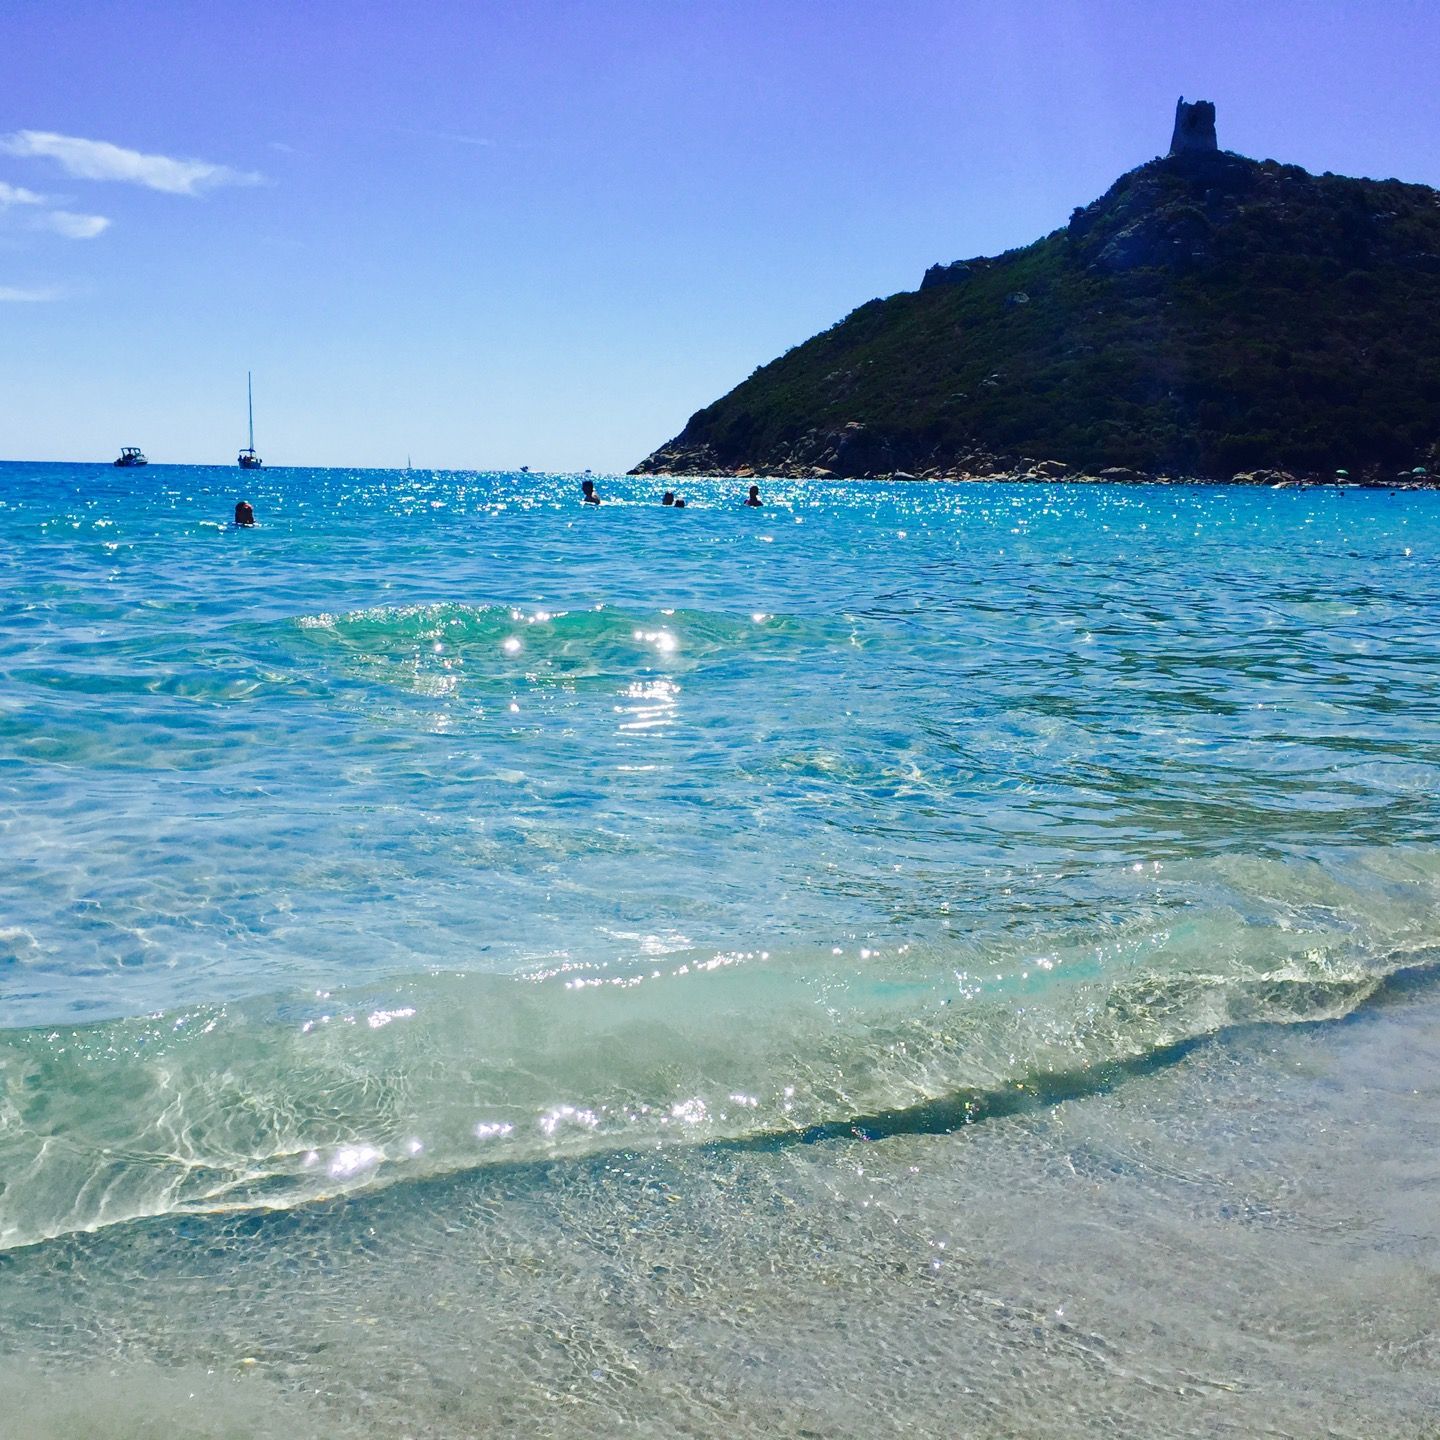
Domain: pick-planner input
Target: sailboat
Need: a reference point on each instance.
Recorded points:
(248, 459)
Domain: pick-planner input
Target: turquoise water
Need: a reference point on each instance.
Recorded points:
(438, 824)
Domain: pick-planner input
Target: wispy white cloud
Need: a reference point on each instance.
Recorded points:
(71, 225)
(452, 137)
(100, 160)
(18, 295)
(18, 195)
(37, 214)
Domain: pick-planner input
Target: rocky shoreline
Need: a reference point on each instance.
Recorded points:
(678, 461)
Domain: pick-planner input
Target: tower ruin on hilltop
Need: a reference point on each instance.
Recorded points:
(1194, 128)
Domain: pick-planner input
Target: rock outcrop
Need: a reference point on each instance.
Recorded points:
(957, 272)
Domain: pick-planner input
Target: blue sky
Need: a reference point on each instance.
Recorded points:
(489, 234)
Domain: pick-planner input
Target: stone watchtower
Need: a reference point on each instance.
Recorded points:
(1194, 128)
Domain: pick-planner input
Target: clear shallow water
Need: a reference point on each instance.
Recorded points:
(1239, 1243)
(438, 824)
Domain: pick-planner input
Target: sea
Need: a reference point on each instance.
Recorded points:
(911, 958)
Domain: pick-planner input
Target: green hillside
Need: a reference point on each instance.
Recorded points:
(1209, 314)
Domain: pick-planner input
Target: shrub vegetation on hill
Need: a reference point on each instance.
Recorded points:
(1209, 314)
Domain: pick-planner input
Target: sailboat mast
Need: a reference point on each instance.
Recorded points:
(250, 406)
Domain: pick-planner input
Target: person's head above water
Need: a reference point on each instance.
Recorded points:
(587, 489)
(679, 504)
(244, 513)
(668, 498)
(753, 498)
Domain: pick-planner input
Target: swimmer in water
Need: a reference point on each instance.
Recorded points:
(753, 498)
(668, 498)
(244, 513)
(587, 489)
(679, 504)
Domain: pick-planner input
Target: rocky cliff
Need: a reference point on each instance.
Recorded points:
(1207, 315)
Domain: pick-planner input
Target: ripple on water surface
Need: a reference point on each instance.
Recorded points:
(437, 819)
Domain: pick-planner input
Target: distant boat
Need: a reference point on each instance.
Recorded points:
(248, 459)
(132, 455)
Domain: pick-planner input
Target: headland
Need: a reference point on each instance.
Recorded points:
(1210, 317)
